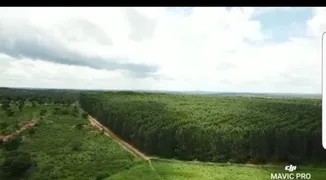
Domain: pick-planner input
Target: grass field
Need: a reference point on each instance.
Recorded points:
(178, 170)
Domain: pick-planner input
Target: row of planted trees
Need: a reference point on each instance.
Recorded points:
(156, 130)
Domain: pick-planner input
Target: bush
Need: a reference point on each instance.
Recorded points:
(43, 112)
(79, 125)
(10, 112)
(5, 104)
(56, 109)
(33, 104)
(84, 115)
(38, 123)
(15, 164)
(21, 104)
(3, 125)
(61, 111)
(76, 145)
(31, 131)
(64, 112)
(102, 175)
(13, 143)
(16, 125)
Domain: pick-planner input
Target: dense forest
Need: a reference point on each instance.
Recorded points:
(213, 128)
(39, 95)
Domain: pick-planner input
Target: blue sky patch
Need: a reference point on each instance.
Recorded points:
(281, 24)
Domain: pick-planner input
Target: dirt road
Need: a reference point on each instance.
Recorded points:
(23, 127)
(134, 151)
(119, 140)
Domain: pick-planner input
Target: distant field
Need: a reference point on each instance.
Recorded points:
(213, 128)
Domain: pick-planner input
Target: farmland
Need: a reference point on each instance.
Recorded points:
(168, 128)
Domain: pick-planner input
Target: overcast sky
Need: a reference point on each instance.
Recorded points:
(212, 49)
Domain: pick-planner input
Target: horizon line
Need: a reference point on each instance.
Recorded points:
(189, 91)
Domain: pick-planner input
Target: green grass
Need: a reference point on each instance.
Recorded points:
(141, 172)
(187, 171)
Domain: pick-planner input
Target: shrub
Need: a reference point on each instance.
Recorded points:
(15, 164)
(21, 104)
(84, 115)
(101, 175)
(33, 104)
(31, 131)
(79, 126)
(61, 111)
(3, 125)
(13, 143)
(76, 145)
(10, 112)
(43, 112)
(64, 112)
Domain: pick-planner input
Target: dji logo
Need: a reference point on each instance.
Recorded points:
(290, 168)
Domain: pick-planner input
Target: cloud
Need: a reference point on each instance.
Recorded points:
(35, 44)
(87, 30)
(214, 49)
(142, 28)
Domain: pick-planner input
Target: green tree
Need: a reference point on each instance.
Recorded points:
(21, 104)
(15, 164)
(43, 112)
(12, 144)
(10, 112)
(5, 104)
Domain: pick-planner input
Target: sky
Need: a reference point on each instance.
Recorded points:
(219, 49)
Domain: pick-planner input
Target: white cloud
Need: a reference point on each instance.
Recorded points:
(151, 48)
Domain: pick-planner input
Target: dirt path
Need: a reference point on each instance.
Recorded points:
(123, 143)
(22, 128)
(134, 151)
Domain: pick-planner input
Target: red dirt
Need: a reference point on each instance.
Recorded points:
(22, 128)
(118, 139)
